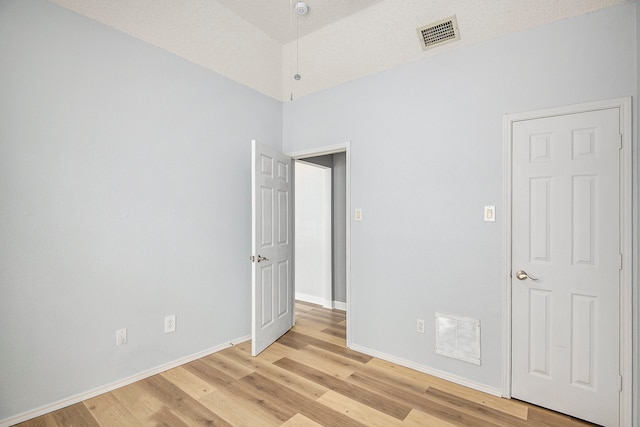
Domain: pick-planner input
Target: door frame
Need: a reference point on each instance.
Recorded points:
(344, 147)
(626, 241)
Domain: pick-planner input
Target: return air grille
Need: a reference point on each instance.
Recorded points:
(458, 337)
(439, 33)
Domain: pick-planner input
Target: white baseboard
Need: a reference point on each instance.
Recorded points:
(173, 364)
(339, 305)
(312, 299)
(431, 371)
(117, 384)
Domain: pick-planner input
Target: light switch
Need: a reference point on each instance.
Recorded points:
(489, 213)
(358, 214)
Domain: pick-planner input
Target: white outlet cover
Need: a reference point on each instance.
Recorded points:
(121, 336)
(170, 324)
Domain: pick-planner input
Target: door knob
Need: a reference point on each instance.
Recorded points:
(522, 275)
(260, 258)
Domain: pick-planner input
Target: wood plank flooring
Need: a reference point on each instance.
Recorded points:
(307, 378)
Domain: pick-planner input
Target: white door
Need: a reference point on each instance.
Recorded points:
(272, 246)
(566, 238)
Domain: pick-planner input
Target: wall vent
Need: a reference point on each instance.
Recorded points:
(458, 337)
(439, 33)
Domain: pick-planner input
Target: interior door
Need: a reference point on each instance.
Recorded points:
(565, 264)
(272, 246)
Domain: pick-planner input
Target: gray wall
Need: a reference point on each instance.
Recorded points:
(427, 154)
(124, 197)
(326, 160)
(339, 248)
(636, 180)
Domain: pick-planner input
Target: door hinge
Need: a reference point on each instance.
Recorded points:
(620, 263)
(619, 382)
(619, 141)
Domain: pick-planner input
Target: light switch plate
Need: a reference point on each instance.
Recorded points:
(489, 213)
(358, 214)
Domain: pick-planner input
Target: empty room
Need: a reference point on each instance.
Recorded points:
(479, 161)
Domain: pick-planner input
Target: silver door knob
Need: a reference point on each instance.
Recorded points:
(522, 275)
(261, 258)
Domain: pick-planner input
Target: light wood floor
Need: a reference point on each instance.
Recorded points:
(307, 378)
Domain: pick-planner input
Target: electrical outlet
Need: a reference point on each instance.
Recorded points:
(420, 326)
(170, 324)
(121, 336)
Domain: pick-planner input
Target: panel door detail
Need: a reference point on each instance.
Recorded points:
(272, 246)
(565, 236)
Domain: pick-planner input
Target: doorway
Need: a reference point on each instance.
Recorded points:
(313, 231)
(272, 217)
(335, 158)
(320, 216)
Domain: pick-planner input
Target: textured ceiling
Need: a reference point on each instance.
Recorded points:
(277, 19)
(253, 41)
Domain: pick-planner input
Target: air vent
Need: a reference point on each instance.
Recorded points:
(439, 33)
(458, 338)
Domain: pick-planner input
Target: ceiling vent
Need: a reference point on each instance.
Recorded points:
(439, 33)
